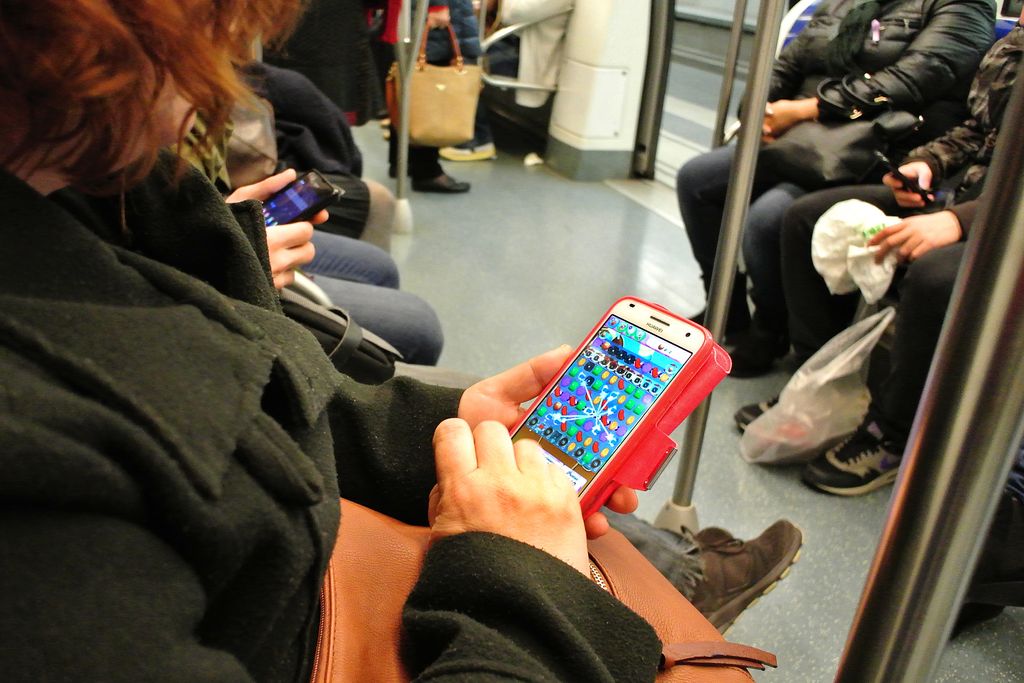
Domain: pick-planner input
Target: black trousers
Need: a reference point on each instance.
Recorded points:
(424, 162)
(815, 315)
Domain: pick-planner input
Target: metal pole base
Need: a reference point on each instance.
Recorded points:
(403, 217)
(675, 517)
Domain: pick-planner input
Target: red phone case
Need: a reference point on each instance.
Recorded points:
(648, 449)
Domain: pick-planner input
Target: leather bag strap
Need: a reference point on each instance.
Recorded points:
(715, 653)
(457, 60)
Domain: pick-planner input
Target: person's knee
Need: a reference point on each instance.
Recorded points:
(385, 268)
(696, 173)
(798, 221)
(429, 337)
(381, 217)
(929, 280)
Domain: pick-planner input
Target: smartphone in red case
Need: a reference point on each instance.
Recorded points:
(606, 417)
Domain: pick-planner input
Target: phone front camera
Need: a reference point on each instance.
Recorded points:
(687, 334)
(632, 305)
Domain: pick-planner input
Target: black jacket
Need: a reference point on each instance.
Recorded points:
(171, 454)
(924, 61)
(960, 158)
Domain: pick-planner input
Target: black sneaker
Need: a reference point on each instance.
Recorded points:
(747, 414)
(862, 462)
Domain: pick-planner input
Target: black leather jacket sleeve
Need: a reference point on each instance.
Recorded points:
(946, 52)
(934, 46)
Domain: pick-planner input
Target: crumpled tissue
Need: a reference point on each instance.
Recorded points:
(840, 253)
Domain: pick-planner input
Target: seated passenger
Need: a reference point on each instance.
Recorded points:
(541, 44)
(920, 55)
(172, 448)
(930, 245)
(359, 277)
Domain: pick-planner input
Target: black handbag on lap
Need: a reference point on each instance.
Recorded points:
(839, 150)
(356, 352)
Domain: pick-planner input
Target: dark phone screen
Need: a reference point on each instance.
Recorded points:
(605, 393)
(293, 201)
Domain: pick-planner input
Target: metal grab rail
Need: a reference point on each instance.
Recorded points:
(406, 50)
(732, 58)
(652, 103)
(680, 511)
(965, 435)
(496, 37)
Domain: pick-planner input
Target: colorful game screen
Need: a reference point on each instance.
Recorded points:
(286, 207)
(602, 397)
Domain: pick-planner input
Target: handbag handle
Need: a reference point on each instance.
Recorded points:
(836, 104)
(421, 61)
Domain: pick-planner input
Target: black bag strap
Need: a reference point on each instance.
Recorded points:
(358, 353)
(350, 340)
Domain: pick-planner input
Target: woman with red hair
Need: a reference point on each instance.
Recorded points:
(172, 449)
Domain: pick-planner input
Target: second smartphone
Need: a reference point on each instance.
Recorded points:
(300, 200)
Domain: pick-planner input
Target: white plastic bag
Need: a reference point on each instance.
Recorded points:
(826, 398)
(840, 254)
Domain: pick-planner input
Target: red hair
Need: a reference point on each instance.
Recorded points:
(91, 73)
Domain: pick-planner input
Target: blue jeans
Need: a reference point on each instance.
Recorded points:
(701, 186)
(363, 280)
(345, 258)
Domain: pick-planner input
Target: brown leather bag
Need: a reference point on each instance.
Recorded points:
(442, 99)
(376, 563)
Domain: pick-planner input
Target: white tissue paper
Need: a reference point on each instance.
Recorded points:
(840, 254)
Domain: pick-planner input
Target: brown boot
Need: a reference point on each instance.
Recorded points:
(737, 572)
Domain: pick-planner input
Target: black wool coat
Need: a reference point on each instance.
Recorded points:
(171, 454)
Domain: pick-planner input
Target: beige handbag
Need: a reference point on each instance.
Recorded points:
(442, 99)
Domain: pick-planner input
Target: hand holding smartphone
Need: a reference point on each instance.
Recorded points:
(605, 417)
(909, 184)
(300, 200)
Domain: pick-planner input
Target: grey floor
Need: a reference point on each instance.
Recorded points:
(527, 261)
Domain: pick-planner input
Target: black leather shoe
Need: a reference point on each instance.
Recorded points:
(443, 184)
(757, 352)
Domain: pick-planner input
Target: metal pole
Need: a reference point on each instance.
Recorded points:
(406, 50)
(680, 511)
(966, 432)
(732, 57)
(659, 57)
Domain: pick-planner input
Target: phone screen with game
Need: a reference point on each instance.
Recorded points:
(588, 414)
(300, 200)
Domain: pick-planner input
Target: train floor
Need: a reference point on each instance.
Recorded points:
(528, 260)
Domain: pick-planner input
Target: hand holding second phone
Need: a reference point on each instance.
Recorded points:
(486, 483)
(289, 245)
(915, 170)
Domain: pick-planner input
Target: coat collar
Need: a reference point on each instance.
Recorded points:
(137, 334)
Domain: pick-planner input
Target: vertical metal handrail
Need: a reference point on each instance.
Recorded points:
(732, 58)
(652, 103)
(967, 429)
(406, 50)
(737, 200)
